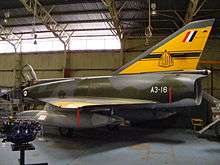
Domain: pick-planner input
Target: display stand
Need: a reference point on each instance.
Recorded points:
(22, 148)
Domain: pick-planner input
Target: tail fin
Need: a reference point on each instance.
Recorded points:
(179, 51)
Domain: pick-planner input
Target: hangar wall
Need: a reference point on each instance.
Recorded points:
(90, 63)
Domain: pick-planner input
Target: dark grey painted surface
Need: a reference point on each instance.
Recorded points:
(129, 146)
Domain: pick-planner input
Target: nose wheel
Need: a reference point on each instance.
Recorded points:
(113, 128)
(66, 132)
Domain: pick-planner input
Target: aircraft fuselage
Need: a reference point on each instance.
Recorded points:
(168, 88)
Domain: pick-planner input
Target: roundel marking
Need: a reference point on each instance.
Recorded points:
(25, 93)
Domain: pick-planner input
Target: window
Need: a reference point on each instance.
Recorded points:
(54, 44)
(5, 47)
(51, 44)
(94, 43)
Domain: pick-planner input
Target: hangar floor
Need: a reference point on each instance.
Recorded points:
(128, 146)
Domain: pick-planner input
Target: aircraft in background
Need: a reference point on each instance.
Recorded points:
(151, 86)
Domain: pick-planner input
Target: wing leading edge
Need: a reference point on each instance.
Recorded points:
(90, 102)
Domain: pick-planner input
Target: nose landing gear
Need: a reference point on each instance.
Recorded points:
(66, 132)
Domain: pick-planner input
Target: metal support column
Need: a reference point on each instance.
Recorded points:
(116, 23)
(122, 51)
(192, 10)
(114, 13)
(42, 14)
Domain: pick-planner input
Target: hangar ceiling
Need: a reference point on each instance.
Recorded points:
(93, 17)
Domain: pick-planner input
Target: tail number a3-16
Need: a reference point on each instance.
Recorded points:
(156, 89)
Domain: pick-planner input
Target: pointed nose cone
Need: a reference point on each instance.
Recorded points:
(5, 94)
(11, 94)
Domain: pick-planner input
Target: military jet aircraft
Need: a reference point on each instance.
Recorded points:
(153, 85)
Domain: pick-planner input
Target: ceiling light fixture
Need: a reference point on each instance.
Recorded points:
(6, 16)
(153, 7)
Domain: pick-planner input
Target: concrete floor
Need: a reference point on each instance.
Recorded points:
(128, 146)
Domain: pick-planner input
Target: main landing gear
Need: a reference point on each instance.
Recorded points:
(113, 128)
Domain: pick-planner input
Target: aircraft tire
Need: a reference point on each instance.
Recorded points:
(113, 128)
(66, 132)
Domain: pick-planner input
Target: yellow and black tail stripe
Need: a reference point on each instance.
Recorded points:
(161, 64)
(173, 55)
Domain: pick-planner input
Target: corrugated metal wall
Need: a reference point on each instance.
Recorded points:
(90, 63)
